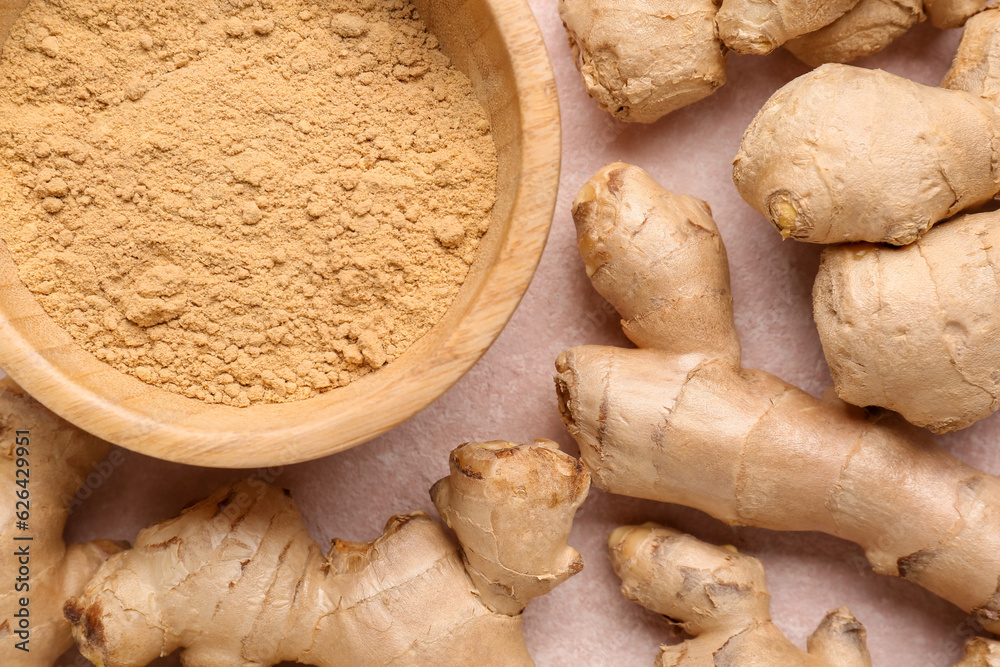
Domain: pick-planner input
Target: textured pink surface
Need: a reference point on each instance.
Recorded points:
(509, 395)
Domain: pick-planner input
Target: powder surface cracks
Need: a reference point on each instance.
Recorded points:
(240, 201)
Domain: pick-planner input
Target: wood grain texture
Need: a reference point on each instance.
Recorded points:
(499, 46)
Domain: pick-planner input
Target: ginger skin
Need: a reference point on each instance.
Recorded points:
(679, 420)
(869, 27)
(236, 579)
(752, 26)
(60, 457)
(720, 597)
(914, 329)
(846, 154)
(640, 61)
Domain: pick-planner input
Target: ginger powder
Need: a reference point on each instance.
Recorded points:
(240, 201)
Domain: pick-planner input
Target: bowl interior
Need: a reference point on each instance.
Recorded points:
(498, 45)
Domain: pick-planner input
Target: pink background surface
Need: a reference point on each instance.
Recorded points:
(509, 395)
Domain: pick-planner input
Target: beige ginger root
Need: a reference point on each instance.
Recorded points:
(848, 154)
(502, 512)
(869, 27)
(57, 458)
(975, 66)
(912, 329)
(643, 59)
(981, 652)
(679, 420)
(760, 26)
(953, 13)
(236, 579)
(915, 329)
(720, 597)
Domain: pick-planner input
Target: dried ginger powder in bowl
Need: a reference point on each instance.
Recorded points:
(240, 201)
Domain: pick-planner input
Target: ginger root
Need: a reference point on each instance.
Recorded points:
(643, 59)
(44, 571)
(915, 329)
(849, 154)
(981, 652)
(946, 14)
(869, 27)
(720, 597)
(679, 420)
(912, 329)
(978, 58)
(236, 579)
(753, 26)
(514, 543)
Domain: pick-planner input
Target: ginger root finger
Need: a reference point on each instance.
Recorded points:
(237, 580)
(643, 59)
(514, 542)
(756, 26)
(696, 429)
(869, 27)
(644, 289)
(720, 597)
(914, 329)
(60, 456)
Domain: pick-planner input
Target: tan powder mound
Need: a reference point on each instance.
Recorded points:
(240, 201)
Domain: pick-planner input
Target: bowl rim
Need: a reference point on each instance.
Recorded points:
(499, 293)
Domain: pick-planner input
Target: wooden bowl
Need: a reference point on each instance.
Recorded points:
(499, 46)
